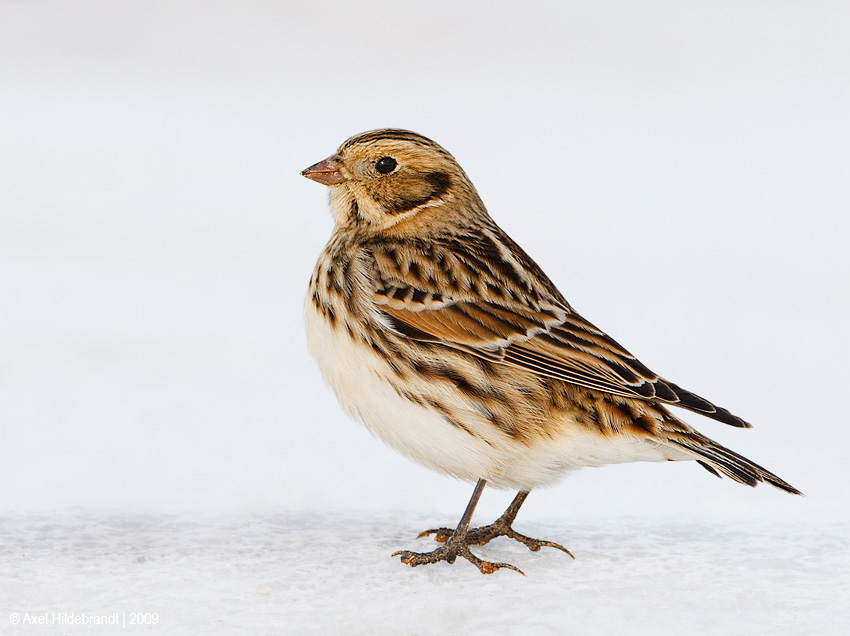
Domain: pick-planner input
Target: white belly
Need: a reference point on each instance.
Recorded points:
(363, 386)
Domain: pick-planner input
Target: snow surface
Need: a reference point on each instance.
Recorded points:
(679, 170)
(327, 573)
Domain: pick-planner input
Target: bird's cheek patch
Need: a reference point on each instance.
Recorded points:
(421, 190)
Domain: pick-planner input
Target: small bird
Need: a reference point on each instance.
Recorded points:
(449, 343)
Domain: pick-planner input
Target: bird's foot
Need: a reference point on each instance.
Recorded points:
(485, 534)
(454, 547)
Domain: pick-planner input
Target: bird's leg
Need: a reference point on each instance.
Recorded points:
(456, 543)
(499, 528)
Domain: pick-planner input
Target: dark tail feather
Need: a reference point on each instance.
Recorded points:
(709, 469)
(697, 404)
(714, 457)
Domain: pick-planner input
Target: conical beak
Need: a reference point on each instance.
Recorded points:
(327, 172)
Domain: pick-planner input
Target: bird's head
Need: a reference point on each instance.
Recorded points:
(395, 180)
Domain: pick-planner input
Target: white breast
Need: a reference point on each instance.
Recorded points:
(362, 384)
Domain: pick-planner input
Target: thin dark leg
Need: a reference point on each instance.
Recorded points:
(457, 543)
(499, 528)
(510, 514)
(463, 524)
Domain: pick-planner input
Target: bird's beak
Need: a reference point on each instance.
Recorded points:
(327, 172)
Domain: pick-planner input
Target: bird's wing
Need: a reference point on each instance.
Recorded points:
(496, 303)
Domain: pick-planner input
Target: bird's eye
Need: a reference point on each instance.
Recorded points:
(386, 165)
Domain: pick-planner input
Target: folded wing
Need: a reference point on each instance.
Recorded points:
(506, 311)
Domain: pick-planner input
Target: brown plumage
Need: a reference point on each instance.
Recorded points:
(448, 341)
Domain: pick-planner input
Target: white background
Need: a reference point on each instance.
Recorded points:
(679, 169)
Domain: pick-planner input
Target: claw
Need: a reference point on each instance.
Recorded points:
(442, 534)
(449, 553)
(487, 567)
(535, 544)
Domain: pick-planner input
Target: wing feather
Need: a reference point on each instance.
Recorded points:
(484, 305)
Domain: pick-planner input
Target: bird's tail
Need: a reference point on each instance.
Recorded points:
(717, 459)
